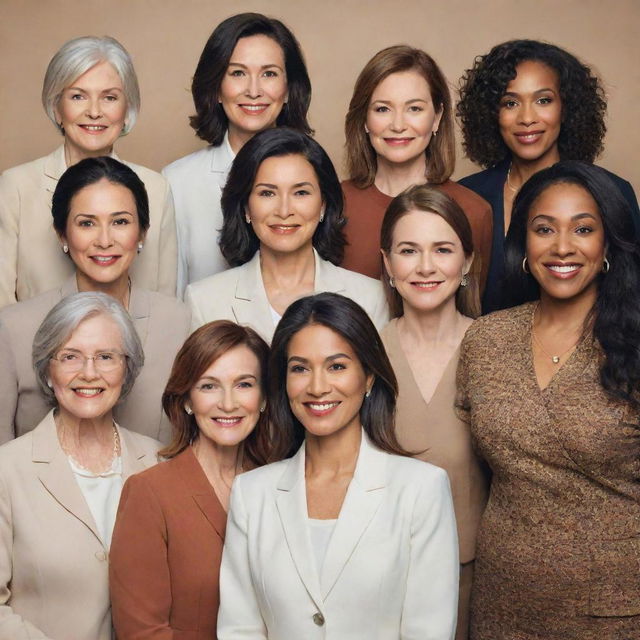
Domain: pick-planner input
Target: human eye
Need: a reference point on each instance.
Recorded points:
(85, 222)
(266, 193)
(121, 221)
(584, 229)
(508, 103)
(236, 73)
(245, 384)
(296, 368)
(270, 73)
(543, 229)
(381, 108)
(206, 386)
(302, 192)
(76, 96)
(444, 250)
(415, 108)
(106, 356)
(406, 251)
(68, 357)
(545, 100)
(337, 366)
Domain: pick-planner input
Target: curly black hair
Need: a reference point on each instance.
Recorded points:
(482, 87)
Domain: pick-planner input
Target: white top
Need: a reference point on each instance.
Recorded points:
(102, 494)
(320, 532)
(196, 184)
(276, 317)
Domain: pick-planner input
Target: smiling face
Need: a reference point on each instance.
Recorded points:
(102, 233)
(326, 383)
(92, 113)
(530, 113)
(227, 398)
(402, 117)
(88, 393)
(565, 242)
(285, 204)
(254, 88)
(426, 261)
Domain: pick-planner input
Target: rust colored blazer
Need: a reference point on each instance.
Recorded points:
(165, 554)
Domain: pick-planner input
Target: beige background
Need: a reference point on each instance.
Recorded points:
(165, 38)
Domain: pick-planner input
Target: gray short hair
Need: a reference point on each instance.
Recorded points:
(76, 57)
(64, 319)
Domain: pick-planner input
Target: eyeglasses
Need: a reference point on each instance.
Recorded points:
(104, 361)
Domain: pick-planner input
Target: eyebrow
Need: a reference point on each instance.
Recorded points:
(407, 102)
(275, 186)
(102, 91)
(515, 93)
(94, 216)
(335, 356)
(578, 216)
(243, 376)
(440, 243)
(264, 66)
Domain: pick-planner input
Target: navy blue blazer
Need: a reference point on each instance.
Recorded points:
(490, 185)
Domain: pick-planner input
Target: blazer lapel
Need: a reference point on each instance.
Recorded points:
(221, 162)
(327, 277)
(134, 459)
(140, 311)
(291, 502)
(54, 166)
(363, 498)
(56, 474)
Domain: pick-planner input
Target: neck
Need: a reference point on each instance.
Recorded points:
(217, 461)
(393, 177)
(521, 170)
(286, 270)
(569, 315)
(237, 139)
(440, 326)
(119, 289)
(72, 155)
(81, 431)
(335, 454)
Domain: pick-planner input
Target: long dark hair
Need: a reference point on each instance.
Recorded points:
(346, 318)
(616, 314)
(210, 121)
(238, 241)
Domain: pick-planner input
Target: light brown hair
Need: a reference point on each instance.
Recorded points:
(361, 158)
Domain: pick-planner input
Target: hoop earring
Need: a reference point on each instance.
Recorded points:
(392, 282)
(524, 265)
(606, 266)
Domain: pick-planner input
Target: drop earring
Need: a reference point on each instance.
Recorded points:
(465, 281)
(140, 246)
(65, 248)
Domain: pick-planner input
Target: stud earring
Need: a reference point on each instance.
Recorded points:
(525, 267)
(65, 248)
(368, 393)
(188, 409)
(247, 219)
(392, 282)
(49, 383)
(435, 133)
(262, 408)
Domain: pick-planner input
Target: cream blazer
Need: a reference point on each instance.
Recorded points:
(390, 571)
(32, 260)
(53, 565)
(162, 324)
(196, 183)
(239, 295)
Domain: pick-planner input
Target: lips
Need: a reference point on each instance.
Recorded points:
(93, 128)
(254, 109)
(563, 271)
(87, 392)
(398, 142)
(104, 261)
(429, 285)
(226, 422)
(320, 408)
(528, 137)
(284, 229)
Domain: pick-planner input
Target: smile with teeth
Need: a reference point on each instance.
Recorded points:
(321, 408)
(563, 270)
(253, 108)
(228, 422)
(87, 392)
(93, 127)
(431, 284)
(104, 260)
(530, 137)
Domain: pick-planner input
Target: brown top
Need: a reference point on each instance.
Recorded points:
(559, 543)
(365, 209)
(444, 440)
(166, 552)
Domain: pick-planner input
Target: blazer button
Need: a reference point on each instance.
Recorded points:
(101, 555)
(318, 618)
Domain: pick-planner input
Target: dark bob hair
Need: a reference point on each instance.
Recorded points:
(347, 319)
(88, 172)
(238, 241)
(482, 87)
(210, 121)
(615, 317)
(203, 347)
(431, 200)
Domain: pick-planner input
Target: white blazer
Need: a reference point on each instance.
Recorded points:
(239, 295)
(196, 183)
(391, 567)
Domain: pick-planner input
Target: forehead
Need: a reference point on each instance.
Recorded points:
(423, 226)
(104, 196)
(96, 333)
(402, 85)
(257, 50)
(290, 168)
(535, 75)
(103, 74)
(317, 342)
(564, 200)
(233, 363)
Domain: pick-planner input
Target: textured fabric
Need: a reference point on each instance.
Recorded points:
(365, 208)
(558, 552)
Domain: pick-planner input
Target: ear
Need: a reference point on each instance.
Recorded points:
(468, 261)
(387, 265)
(438, 118)
(142, 235)
(370, 381)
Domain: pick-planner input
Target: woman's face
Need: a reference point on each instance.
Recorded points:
(92, 112)
(565, 242)
(401, 117)
(530, 114)
(89, 388)
(103, 232)
(426, 261)
(285, 204)
(227, 398)
(254, 88)
(326, 382)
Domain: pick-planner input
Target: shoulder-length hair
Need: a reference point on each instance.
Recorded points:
(210, 121)
(346, 318)
(65, 317)
(432, 200)
(76, 57)
(361, 157)
(615, 317)
(88, 172)
(483, 86)
(238, 241)
(203, 347)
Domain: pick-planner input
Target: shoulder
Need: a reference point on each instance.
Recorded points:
(152, 179)
(215, 283)
(357, 281)
(182, 167)
(255, 484)
(485, 182)
(168, 307)
(469, 201)
(414, 471)
(23, 173)
(165, 473)
(25, 316)
(14, 452)
(498, 327)
(139, 443)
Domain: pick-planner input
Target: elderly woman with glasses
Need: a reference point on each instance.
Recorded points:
(60, 483)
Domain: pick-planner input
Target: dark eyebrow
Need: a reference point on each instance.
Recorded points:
(578, 216)
(264, 66)
(265, 184)
(440, 243)
(516, 94)
(242, 376)
(407, 102)
(113, 215)
(302, 360)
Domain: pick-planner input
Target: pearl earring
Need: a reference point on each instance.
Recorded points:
(140, 246)
(65, 248)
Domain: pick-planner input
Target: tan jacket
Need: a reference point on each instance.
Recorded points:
(32, 259)
(53, 565)
(162, 324)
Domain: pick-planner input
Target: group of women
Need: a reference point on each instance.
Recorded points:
(302, 490)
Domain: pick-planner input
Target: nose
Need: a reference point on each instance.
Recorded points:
(426, 263)
(89, 371)
(103, 239)
(527, 114)
(563, 245)
(228, 401)
(94, 110)
(254, 89)
(318, 384)
(282, 209)
(398, 121)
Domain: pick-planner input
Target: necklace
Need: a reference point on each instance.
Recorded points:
(82, 463)
(514, 189)
(555, 359)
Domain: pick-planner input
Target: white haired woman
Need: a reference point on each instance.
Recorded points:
(90, 92)
(60, 483)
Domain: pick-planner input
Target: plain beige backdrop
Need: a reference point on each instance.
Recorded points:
(165, 38)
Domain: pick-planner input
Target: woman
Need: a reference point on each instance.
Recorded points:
(349, 534)
(282, 232)
(399, 131)
(433, 295)
(90, 93)
(559, 542)
(523, 107)
(251, 76)
(101, 217)
(60, 483)
(167, 542)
